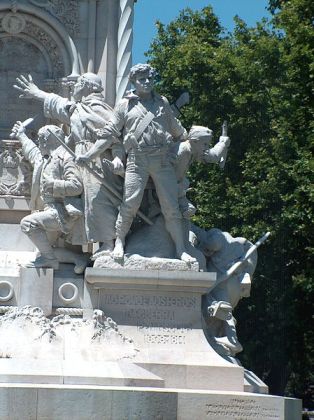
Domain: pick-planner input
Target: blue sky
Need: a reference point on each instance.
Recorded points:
(148, 11)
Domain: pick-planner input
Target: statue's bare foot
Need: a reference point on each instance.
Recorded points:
(184, 256)
(118, 252)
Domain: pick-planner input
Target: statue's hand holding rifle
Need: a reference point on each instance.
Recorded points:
(224, 138)
(18, 130)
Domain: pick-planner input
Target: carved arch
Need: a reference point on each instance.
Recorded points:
(38, 45)
(54, 29)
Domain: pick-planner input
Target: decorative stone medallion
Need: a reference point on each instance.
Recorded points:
(13, 23)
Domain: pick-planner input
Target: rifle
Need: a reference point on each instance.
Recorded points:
(110, 189)
(225, 276)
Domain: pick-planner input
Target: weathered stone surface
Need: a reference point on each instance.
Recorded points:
(161, 311)
(138, 262)
(116, 403)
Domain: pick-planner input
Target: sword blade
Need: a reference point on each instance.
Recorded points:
(27, 122)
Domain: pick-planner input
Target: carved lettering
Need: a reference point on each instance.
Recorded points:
(163, 335)
(244, 409)
(148, 315)
(164, 339)
(143, 300)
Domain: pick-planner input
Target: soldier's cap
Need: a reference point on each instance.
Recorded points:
(94, 80)
(198, 131)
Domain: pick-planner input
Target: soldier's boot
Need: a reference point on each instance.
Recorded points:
(175, 228)
(47, 258)
(69, 256)
(106, 248)
(231, 339)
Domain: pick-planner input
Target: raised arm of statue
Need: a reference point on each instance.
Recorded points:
(176, 129)
(29, 148)
(214, 154)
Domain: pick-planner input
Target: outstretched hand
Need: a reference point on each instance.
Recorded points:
(27, 87)
(17, 130)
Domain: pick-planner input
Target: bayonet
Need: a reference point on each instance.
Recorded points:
(223, 158)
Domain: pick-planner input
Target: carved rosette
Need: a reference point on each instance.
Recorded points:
(13, 23)
(15, 170)
(125, 40)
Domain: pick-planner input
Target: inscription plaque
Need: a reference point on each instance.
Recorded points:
(241, 409)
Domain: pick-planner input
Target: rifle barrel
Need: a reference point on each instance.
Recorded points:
(238, 264)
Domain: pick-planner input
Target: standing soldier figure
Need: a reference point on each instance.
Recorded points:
(148, 126)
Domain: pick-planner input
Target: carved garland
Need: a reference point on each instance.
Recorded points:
(66, 11)
(22, 26)
(49, 45)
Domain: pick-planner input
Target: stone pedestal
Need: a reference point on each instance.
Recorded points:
(26, 286)
(169, 371)
(161, 312)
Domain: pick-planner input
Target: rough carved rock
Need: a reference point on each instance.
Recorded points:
(137, 262)
(151, 248)
(26, 333)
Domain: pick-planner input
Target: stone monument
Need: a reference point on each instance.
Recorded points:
(113, 303)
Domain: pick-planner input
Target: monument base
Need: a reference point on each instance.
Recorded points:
(55, 402)
(140, 352)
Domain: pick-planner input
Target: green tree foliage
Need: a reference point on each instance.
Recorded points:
(260, 79)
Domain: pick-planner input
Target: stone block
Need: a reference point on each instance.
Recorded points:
(36, 288)
(9, 286)
(68, 289)
(18, 402)
(61, 402)
(234, 406)
(31, 371)
(161, 312)
(15, 239)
